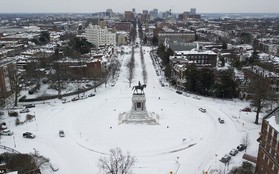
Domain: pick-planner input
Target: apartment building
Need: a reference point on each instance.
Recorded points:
(123, 26)
(100, 36)
(178, 36)
(200, 57)
(268, 153)
(182, 59)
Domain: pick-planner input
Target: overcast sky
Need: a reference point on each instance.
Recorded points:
(89, 6)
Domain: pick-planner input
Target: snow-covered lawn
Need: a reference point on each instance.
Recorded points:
(185, 139)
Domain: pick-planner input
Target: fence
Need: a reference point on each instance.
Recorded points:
(8, 149)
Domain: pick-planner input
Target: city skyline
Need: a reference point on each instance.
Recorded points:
(177, 6)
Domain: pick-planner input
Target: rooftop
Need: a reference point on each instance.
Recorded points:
(273, 119)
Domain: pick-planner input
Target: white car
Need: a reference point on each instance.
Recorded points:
(25, 110)
(233, 152)
(65, 101)
(6, 132)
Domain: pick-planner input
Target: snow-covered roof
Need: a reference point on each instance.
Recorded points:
(273, 119)
(195, 51)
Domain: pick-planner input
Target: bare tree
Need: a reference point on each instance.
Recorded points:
(39, 160)
(245, 140)
(114, 66)
(14, 76)
(131, 67)
(144, 72)
(260, 88)
(117, 162)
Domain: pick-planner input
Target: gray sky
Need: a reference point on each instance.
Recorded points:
(89, 6)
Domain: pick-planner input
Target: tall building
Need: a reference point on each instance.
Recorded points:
(144, 12)
(268, 153)
(192, 11)
(100, 36)
(129, 16)
(155, 12)
(109, 12)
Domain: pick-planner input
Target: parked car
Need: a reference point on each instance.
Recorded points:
(233, 152)
(30, 106)
(61, 133)
(25, 110)
(12, 113)
(221, 120)
(83, 97)
(225, 158)
(197, 97)
(202, 110)
(179, 92)
(75, 98)
(241, 147)
(6, 132)
(3, 126)
(91, 95)
(65, 101)
(28, 135)
(246, 109)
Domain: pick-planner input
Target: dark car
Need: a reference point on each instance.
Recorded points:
(233, 152)
(91, 95)
(246, 109)
(225, 159)
(202, 110)
(221, 120)
(178, 92)
(30, 106)
(75, 99)
(241, 147)
(28, 135)
(61, 133)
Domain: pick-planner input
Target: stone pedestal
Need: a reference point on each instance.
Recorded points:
(138, 103)
(138, 113)
(138, 110)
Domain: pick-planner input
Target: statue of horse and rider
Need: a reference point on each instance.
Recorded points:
(139, 87)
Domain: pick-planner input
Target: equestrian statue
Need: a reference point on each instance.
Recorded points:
(139, 87)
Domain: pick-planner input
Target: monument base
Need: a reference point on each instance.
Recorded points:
(138, 118)
(138, 113)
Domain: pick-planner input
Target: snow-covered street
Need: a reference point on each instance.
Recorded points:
(185, 141)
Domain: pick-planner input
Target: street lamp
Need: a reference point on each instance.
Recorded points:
(14, 141)
(35, 151)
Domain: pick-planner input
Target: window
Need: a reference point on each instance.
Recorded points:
(138, 104)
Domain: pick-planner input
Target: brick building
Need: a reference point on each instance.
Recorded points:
(123, 26)
(182, 59)
(129, 16)
(178, 36)
(7, 71)
(268, 153)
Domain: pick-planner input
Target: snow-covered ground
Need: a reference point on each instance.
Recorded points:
(186, 140)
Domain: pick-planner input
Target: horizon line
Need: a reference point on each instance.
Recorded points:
(136, 13)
